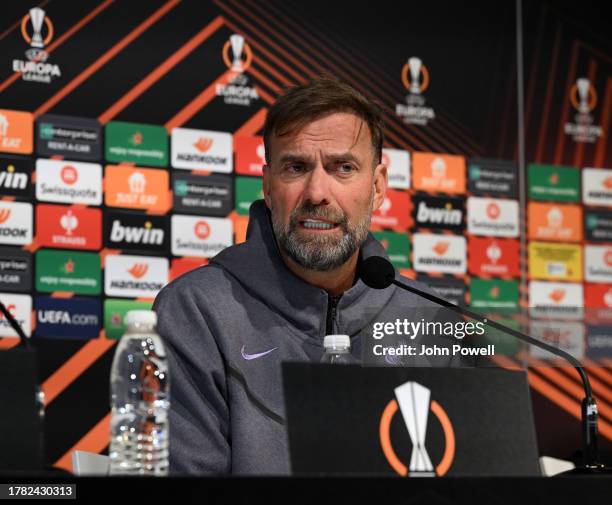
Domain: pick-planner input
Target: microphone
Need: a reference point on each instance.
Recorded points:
(378, 273)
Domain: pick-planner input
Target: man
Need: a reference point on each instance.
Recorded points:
(230, 324)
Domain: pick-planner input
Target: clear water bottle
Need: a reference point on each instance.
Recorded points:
(140, 400)
(337, 350)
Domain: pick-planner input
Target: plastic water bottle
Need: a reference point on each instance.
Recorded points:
(139, 399)
(337, 350)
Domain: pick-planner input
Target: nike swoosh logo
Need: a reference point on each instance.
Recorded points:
(257, 355)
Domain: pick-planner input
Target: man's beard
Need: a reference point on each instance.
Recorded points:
(322, 252)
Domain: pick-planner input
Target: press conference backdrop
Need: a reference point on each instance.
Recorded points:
(130, 152)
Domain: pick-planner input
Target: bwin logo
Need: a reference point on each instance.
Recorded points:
(11, 180)
(136, 234)
(445, 215)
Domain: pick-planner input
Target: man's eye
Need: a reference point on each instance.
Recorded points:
(345, 168)
(295, 169)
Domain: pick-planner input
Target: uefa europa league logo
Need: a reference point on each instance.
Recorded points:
(414, 403)
(237, 43)
(241, 54)
(37, 16)
(414, 64)
(583, 86)
(583, 95)
(415, 76)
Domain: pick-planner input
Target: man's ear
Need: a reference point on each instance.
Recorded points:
(266, 186)
(380, 185)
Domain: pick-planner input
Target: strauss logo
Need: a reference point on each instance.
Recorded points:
(261, 152)
(385, 206)
(607, 183)
(138, 270)
(494, 252)
(4, 215)
(69, 222)
(608, 298)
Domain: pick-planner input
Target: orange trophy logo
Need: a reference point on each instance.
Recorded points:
(414, 402)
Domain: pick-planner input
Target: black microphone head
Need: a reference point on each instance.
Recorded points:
(377, 272)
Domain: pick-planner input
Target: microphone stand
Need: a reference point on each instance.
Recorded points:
(591, 465)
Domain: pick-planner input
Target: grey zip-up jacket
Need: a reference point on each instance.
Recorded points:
(227, 327)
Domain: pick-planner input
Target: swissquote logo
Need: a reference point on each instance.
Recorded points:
(598, 263)
(493, 217)
(134, 276)
(238, 57)
(37, 31)
(397, 162)
(198, 236)
(415, 404)
(15, 223)
(415, 78)
(202, 150)
(68, 182)
(583, 98)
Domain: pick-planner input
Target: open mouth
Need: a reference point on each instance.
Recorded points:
(317, 224)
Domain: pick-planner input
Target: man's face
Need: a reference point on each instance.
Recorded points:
(321, 186)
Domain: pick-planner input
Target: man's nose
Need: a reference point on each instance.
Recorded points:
(317, 186)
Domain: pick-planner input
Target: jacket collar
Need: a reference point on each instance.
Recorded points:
(258, 266)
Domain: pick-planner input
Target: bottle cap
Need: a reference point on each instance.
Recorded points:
(337, 341)
(147, 317)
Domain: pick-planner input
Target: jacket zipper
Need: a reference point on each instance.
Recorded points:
(332, 306)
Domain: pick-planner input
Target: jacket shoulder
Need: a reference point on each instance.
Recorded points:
(201, 281)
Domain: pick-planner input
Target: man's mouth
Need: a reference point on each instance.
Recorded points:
(317, 224)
